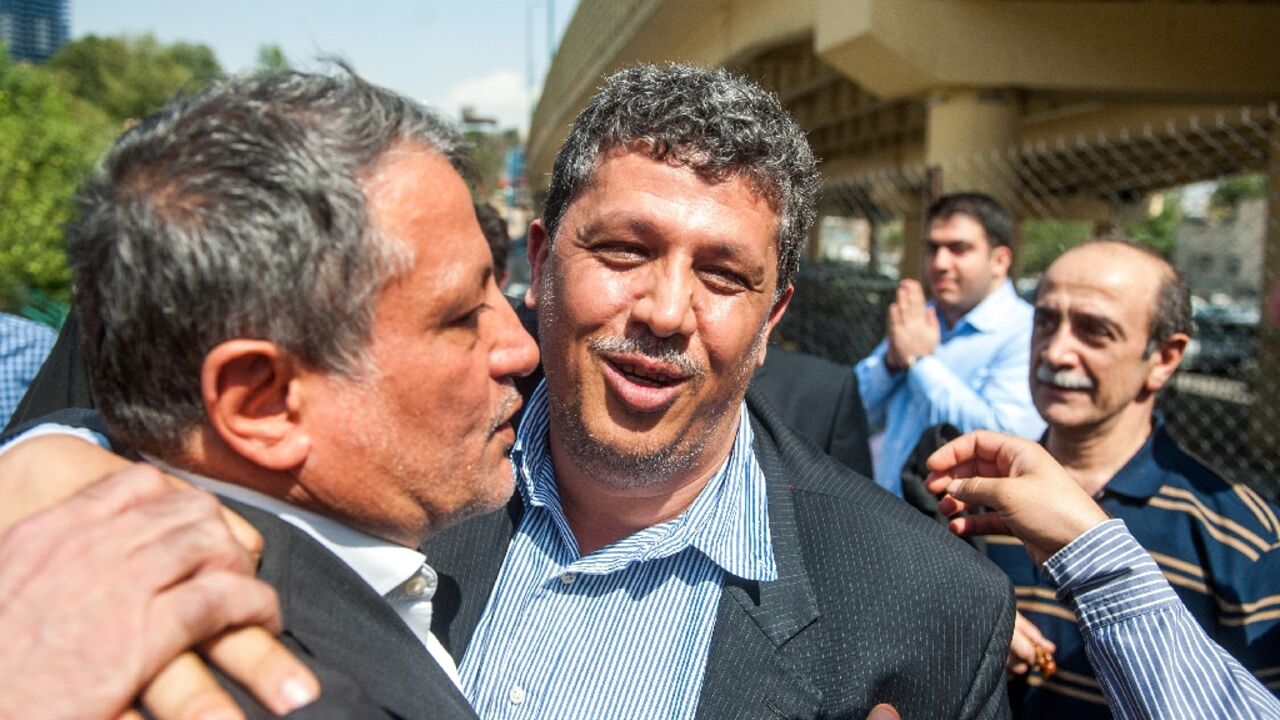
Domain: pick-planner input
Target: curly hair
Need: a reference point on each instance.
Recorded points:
(718, 124)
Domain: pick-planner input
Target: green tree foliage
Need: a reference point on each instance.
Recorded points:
(271, 59)
(488, 152)
(1044, 240)
(131, 77)
(1229, 193)
(1160, 232)
(49, 141)
(55, 120)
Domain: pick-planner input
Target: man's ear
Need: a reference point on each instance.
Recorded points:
(775, 316)
(1002, 258)
(1165, 361)
(252, 396)
(537, 248)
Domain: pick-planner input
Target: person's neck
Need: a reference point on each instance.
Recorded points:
(601, 512)
(207, 455)
(952, 315)
(1094, 454)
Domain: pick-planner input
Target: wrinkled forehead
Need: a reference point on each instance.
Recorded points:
(1114, 282)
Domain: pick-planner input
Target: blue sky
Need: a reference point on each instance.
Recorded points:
(447, 53)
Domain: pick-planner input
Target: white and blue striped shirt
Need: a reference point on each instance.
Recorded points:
(1152, 658)
(623, 632)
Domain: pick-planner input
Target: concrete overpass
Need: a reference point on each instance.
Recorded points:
(886, 86)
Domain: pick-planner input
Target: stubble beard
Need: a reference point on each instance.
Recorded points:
(610, 463)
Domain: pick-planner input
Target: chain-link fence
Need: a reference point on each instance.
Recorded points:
(1203, 190)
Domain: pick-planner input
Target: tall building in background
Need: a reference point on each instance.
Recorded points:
(33, 30)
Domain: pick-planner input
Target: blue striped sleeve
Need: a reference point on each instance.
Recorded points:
(1151, 657)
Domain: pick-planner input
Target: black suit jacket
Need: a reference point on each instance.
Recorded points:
(874, 603)
(820, 401)
(369, 663)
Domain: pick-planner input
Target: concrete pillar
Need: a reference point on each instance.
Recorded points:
(912, 263)
(968, 135)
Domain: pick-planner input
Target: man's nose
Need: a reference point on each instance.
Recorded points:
(1058, 350)
(513, 352)
(667, 303)
(939, 259)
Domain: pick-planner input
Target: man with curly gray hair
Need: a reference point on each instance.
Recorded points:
(673, 549)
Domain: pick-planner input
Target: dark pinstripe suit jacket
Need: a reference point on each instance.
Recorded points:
(369, 663)
(874, 602)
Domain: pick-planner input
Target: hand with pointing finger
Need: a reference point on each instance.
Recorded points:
(1028, 493)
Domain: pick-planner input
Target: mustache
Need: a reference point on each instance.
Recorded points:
(654, 348)
(1063, 378)
(506, 408)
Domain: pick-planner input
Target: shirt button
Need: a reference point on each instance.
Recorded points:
(568, 578)
(415, 586)
(517, 695)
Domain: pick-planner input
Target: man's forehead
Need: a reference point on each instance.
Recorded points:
(955, 228)
(1102, 280)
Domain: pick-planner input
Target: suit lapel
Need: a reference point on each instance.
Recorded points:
(747, 673)
(467, 558)
(337, 618)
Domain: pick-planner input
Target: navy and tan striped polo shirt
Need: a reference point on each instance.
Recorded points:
(1215, 540)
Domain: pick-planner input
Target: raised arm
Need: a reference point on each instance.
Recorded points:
(1151, 657)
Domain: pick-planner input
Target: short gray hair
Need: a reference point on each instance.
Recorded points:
(237, 213)
(718, 124)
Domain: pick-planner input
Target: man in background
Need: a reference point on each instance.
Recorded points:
(1111, 323)
(1152, 658)
(960, 359)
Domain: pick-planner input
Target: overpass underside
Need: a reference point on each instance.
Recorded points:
(1060, 107)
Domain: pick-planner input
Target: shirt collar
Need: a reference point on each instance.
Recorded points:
(1143, 475)
(385, 566)
(992, 313)
(728, 521)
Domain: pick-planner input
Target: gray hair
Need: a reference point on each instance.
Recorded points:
(718, 124)
(237, 213)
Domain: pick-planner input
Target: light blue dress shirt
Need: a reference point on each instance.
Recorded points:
(623, 632)
(977, 378)
(1151, 657)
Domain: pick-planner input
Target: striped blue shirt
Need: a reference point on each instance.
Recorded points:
(23, 347)
(1151, 657)
(1217, 543)
(623, 632)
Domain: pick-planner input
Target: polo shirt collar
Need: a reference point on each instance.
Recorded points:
(728, 521)
(1142, 476)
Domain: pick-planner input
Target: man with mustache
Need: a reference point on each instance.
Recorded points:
(673, 549)
(961, 359)
(1111, 323)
